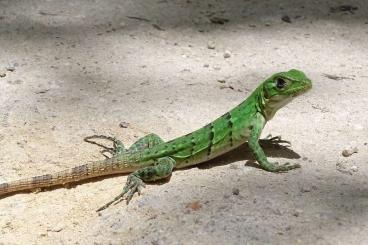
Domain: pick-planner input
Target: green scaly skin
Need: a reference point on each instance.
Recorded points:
(151, 159)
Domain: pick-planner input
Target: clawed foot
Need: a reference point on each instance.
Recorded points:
(133, 185)
(276, 140)
(284, 167)
(117, 148)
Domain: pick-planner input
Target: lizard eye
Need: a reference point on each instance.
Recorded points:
(280, 83)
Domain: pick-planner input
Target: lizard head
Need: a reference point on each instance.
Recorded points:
(281, 88)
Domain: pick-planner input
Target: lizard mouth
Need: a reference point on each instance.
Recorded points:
(301, 90)
(299, 93)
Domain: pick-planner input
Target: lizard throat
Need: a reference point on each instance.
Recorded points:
(272, 105)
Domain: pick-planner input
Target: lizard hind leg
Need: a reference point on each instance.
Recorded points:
(162, 169)
(117, 149)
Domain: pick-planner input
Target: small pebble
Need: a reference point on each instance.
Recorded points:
(2, 74)
(211, 45)
(235, 191)
(340, 166)
(218, 20)
(227, 54)
(226, 86)
(354, 168)
(124, 124)
(305, 189)
(297, 212)
(221, 80)
(206, 65)
(10, 68)
(58, 228)
(286, 19)
(349, 152)
(155, 242)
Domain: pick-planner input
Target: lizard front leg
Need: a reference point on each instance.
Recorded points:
(135, 181)
(259, 154)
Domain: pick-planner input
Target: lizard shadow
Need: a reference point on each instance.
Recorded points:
(243, 152)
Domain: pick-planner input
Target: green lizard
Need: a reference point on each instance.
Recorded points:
(151, 159)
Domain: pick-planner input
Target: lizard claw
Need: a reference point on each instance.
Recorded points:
(109, 151)
(133, 185)
(285, 167)
(276, 139)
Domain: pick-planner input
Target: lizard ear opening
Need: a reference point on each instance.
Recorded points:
(280, 83)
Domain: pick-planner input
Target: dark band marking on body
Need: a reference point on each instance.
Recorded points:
(208, 125)
(192, 145)
(230, 125)
(210, 139)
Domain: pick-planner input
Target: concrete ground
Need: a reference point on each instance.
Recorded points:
(69, 69)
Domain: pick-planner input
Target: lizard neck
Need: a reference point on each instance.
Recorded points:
(269, 106)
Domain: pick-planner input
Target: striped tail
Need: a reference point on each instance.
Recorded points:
(82, 172)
